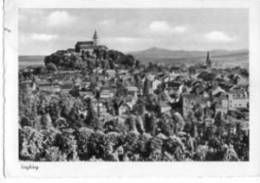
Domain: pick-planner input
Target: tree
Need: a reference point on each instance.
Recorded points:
(67, 144)
(127, 60)
(207, 76)
(155, 148)
(83, 140)
(98, 145)
(51, 67)
(92, 119)
(30, 144)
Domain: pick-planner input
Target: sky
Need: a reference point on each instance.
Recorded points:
(43, 31)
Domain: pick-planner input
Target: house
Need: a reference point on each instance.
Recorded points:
(165, 107)
(98, 71)
(106, 94)
(66, 86)
(221, 104)
(132, 90)
(111, 73)
(86, 94)
(170, 77)
(85, 85)
(99, 106)
(50, 88)
(209, 121)
(238, 99)
(122, 72)
(218, 90)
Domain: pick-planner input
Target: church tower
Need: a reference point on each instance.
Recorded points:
(95, 38)
(208, 61)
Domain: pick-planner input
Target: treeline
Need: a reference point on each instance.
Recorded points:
(64, 128)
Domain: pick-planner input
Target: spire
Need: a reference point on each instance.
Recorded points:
(95, 38)
(208, 61)
(208, 56)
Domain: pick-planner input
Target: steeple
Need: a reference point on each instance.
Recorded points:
(95, 38)
(208, 61)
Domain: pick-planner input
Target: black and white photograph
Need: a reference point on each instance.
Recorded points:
(138, 88)
(133, 84)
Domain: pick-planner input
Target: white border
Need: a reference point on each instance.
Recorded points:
(107, 169)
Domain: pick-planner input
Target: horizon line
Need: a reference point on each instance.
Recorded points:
(155, 47)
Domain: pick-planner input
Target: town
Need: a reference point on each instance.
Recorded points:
(90, 103)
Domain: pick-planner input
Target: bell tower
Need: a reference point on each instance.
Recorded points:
(208, 61)
(95, 38)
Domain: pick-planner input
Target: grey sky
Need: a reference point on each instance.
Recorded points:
(42, 31)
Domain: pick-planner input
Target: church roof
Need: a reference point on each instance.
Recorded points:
(81, 43)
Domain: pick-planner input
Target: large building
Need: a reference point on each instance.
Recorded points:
(238, 99)
(89, 46)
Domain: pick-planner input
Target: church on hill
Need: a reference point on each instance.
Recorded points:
(89, 46)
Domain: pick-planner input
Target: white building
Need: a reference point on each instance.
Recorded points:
(132, 90)
(106, 94)
(238, 100)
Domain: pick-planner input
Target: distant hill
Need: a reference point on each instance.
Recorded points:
(160, 55)
(31, 58)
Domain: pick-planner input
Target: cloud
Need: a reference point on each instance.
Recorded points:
(126, 40)
(164, 27)
(43, 37)
(160, 27)
(180, 29)
(219, 36)
(59, 18)
(107, 22)
(124, 43)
